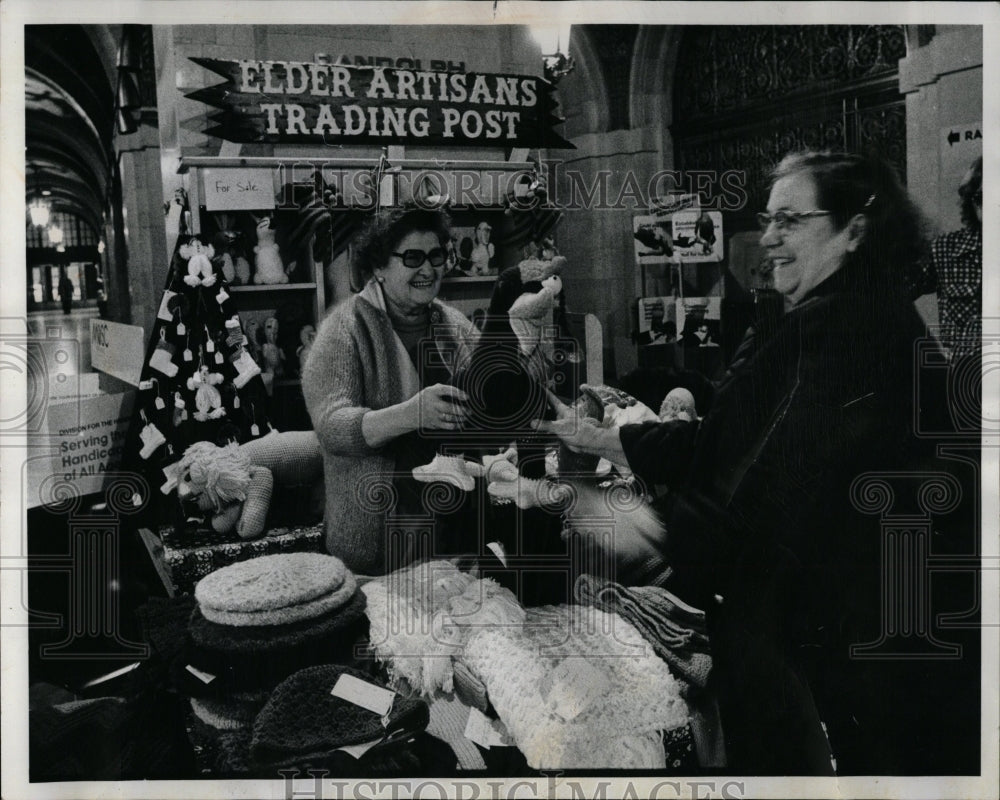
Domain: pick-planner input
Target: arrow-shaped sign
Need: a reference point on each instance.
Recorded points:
(953, 137)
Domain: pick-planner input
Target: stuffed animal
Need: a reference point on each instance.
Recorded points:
(207, 399)
(236, 482)
(307, 336)
(483, 251)
(270, 268)
(274, 359)
(199, 258)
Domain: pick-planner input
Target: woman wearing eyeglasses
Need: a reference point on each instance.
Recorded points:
(378, 376)
(760, 527)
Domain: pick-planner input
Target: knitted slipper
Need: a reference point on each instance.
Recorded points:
(288, 614)
(450, 469)
(270, 582)
(529, 492)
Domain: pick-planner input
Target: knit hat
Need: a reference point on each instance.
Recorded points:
(275, 590)
(225, 715)
(255, 657)
(303, 721)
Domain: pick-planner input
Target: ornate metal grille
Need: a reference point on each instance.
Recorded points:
(745, 96)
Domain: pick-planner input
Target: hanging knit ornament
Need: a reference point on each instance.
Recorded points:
(151, 439)
(162, 358)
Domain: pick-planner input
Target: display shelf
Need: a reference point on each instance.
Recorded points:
(472, 279)
(273, 287)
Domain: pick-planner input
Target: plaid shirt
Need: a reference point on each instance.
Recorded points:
(955, 272)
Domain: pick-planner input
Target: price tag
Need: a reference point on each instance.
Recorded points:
(358, 750)
(236, 401)
(181, 329)
(486, 732)
(364, 694)
(497, 549)
(222, 296)
(188, 355)
(218, 358)
(144, 385)
(210, 346)
(254, 430)
(160, 405)
(204, 677)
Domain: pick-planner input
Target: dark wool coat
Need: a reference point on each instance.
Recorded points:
(762, 531)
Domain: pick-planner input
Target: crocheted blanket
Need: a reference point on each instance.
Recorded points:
(578, 688)
(421, 616)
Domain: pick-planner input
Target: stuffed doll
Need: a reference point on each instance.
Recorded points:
(270, 268)
(483, 250)
(273, 357)
(236, 482)
(207, 399)
(307, 335)
(199, 258)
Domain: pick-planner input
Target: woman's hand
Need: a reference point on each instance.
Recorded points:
(582, 434)
(438, 408)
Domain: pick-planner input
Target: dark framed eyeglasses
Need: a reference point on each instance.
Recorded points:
(414, 259)
(787, 220)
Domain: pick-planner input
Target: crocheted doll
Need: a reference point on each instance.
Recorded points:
(270, 268)
(236, 482)
(207, 399)
(199, 258)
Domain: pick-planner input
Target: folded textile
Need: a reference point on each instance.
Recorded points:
(274, 590)
(448, 718)
(420, 617)
(303, 721)
(578, 688)
(676, 631)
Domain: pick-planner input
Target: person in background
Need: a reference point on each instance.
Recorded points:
(66, 289)
(102, 296)
(759, 526)
(955, 271)
(377, 380)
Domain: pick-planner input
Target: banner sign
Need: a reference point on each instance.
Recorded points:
(247, 189)
(295, 102)
(117, 349)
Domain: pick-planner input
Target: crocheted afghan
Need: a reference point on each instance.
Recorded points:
(420, 617)
(275, 590)
(578, 688)
(304, 722)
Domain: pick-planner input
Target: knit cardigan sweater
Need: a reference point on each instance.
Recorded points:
(357, 364)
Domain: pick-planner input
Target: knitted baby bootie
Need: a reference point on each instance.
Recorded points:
(450, 469)
(151, 439)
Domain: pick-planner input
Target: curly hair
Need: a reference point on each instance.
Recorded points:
(970, 190)
(385, 229)
(895, 239)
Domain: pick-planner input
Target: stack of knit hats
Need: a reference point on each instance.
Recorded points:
(259, 621)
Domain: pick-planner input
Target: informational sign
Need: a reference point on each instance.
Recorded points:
(117, 349)
(245, 189)
(697, 235)
(959, 146)
(87, 441)
(322, 103)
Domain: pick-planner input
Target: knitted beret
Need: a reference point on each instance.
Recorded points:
(285, 588)
(270, 582)
(302, 719)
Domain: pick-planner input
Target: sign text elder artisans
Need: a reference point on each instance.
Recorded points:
(303, 102)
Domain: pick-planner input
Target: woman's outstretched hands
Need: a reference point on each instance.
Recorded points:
(439, 408)
(579, 433)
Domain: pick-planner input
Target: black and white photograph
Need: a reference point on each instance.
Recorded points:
(499, 400)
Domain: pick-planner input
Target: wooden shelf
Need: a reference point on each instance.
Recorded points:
(471, 279)
(272, 287)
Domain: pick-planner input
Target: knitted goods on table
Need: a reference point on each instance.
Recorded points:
(675, 630)
(302, 721)
(226, 715)
(253, 657)
(448, 718)
(578, 688)
(420, 617)
(275, 590)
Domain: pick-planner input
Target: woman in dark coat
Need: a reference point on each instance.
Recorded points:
(761, 527)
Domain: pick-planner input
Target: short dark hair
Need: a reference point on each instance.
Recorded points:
(846, 184)
(970, 190)
(385, 229)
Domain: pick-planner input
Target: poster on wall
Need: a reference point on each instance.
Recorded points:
(698, 321)
(286, 102)
(651, 238)
(697, 235)
(657, 320)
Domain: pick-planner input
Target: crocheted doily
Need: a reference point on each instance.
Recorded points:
(578, 688)
(270, 582)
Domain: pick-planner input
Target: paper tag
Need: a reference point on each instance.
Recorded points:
(364, 694)
(486, 732)
(188, 355)
(136, 499)
(210, 346)
(574, 688)
(159, 403)
(236, 401)
(497, 549)
(218, 358)
(145, 385)
(204, 677)
(254, 430)
(164, 312)
(358, 750)
(222, 297)
(181, 330)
